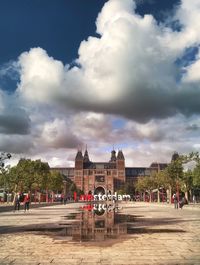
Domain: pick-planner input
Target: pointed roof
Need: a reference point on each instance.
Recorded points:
(175, 156)
(86, 157)
(120, 155)
(79, 155)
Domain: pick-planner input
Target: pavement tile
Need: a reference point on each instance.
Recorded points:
(161, 243)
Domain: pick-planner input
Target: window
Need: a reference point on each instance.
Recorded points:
(100, 178)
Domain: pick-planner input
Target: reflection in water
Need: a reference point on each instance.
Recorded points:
(97, 222)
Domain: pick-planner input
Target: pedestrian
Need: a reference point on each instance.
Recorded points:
(27, 202)
(175, 198)
(194, 198)
(65, 199)
(17, 202)
(182, 202)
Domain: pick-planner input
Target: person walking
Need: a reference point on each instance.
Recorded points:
(27, 202)
(17, 202)
(194, 199)
(182, 202)
(175, 198)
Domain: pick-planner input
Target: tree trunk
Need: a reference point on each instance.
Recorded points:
(158, 194)
(144, 196)
(15, 193)
(47, 197)
(186, 195)
(170, 194)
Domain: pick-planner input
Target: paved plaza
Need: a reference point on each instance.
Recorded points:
(151, 234)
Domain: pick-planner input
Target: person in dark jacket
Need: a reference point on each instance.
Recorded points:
(17, 202)
(182, 202)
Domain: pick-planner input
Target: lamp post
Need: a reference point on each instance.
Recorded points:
(177, 188)
(65, 189)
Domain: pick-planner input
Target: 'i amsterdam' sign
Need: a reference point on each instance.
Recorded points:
(102, 197)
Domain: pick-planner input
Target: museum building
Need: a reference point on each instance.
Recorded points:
(105, 177)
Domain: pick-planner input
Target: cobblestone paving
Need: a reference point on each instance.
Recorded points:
(161, 235)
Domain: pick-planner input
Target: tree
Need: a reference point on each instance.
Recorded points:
(145, 184)
(4, 180)
(4, 170)
(32, 174)
(184, 180)
(28, 175)
(55, 181)
(196, 176)
(187, 183)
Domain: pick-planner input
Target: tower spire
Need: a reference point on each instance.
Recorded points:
(113, 156)
(86, 156)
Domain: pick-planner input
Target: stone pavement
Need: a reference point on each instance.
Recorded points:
(158, 235)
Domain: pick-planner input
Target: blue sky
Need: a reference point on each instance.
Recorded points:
(101, 73)
(57, 26)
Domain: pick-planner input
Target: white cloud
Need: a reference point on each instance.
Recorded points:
(132, 64)
(41, 75)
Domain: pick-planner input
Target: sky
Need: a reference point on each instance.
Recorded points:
(119, 74)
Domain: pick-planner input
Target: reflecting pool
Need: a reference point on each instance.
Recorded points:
(97, 222)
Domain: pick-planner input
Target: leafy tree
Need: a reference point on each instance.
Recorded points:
(175, 171)
(145, 184)
(186, 183)
(32, 174)
(4, 180)
(55, 181)
(196, 176)
(27, 175)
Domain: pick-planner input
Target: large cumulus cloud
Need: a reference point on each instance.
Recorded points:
(132, 64)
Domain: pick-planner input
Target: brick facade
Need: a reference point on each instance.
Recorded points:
(103, 177)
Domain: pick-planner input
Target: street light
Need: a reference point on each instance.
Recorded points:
(64, 191)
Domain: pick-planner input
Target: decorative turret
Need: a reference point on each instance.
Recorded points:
(79, 160)
(120, 155)
(121, 165)
(175, 156)
(86, 157)
(79, 155)
(78, 171)
(113, 156)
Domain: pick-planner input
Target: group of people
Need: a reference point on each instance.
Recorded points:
(24, 199)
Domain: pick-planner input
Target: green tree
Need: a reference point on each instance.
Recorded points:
(55, 182)
(32, 174)
(4, 177)
(146, 184)
(186, 183)
(196, 176)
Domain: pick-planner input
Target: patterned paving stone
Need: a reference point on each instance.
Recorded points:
(159, 235)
